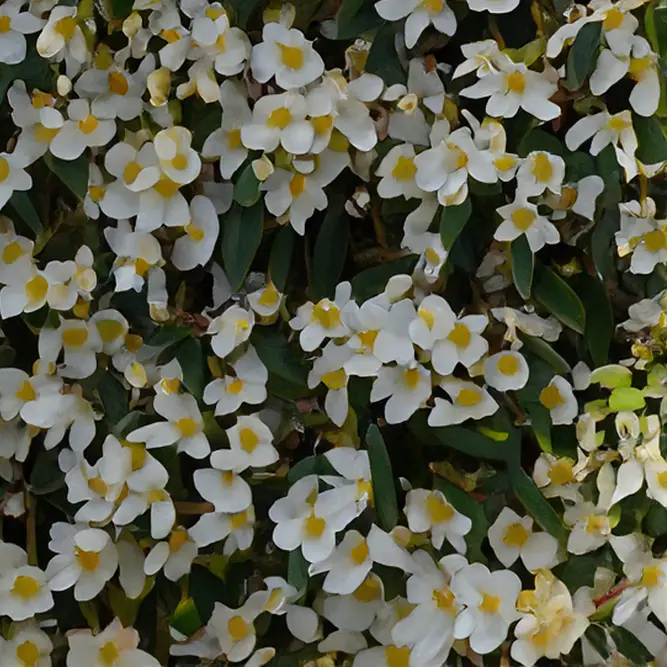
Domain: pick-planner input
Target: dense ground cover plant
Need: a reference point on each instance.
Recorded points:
(333, 332)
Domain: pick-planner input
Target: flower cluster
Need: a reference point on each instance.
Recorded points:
(332, 333)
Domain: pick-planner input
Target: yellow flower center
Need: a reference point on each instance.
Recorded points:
(322, 124)
(138, 452)
(335, 379)
(359, 554)
(468, 398)
(460, 335)
(109, 330)
(369, 590)
(489, 604)
(314, 527)
(131, 171)
(239, 520)
(395, 656)
(5, 24)
(427, 315)
(613, 19)
(44, 134)
(655, 241)
(65, 27)
(432, 256)
(662, 479)
(523, 218)
(237, 628)
(515, 82)
(561, 472)
(542, 168)
(297, 185)
(98, 485)
(166, 187)
(96, 192)
(4, 170)
(596, 524)
(187, 426)
(326, 315)
(249, 440)
(411, 378)
(550, 397)
(171, 35)
(444, 600)
(26, 587)
(437, 509)
(508, 364)
(89, 124)
(234, 140)
(12, 252)
(214, 13)
(194, 232)
(269, 296)
(461, 156)
(141, 266)
(504, 163)
(367, 339)
(28, 654)
(75, 337)
(235, 386)
(651, 576)
(133, 342)
(516, 535)
(291, 56)
(88, 560)
(118, 83)
(279, 118)
(339, 143)
(433, 6)
(26, 392)
(404, 169)
(157, 496)
(40, 100)
(36, 289)
(109, 654)
(618, 123)
(170, 385)
(177, 539)
(180, 162)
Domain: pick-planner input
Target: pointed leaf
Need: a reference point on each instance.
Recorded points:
(558, 298)
(452, 221)
(523, 264)
(241, 235)
(384, 488)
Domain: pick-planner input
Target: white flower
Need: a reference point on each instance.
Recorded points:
(14, 24)
(420, 14)
(540, 171)
(323, 319)
(235, 528)
(460, 340)
(481, 57)
(230, 47)
(580, 198)
(606, 129)
(354, 467)
(287, 55)
(493, 6)
(512, 536)
(329, 369)
(506, 371)
(230, 329)
(512, 87)
(24, 592)
(87, 126)
(555, 476)
(178, 160)
(490, 605)
(184, 427)
(366, 321)
(225, 142)
(234, 630)
(13, 176)
(174, 556)
(86, 558)
(522, 217)
(468, 401)
(62, 38)
(79, 343)
(406, 387)
(398, 172)
(250, 441)
(37, 399)
(644, 314)
(642, 235)
(430, 511)
(558, 398)
(266, 300)
(196, 246)
(279, 120)
(28, 646)
(16, 260)
(356, 612)
(115, 645)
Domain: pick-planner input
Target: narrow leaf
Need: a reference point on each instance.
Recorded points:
(583, 55)
(599, 329)
(452, 222)
(280, 259)
(552, 292)
(523, 264)
(241, 235)
(330, 251)
(113, 396)
(652, 143)
(191, 358)
(73, 173)
(384, 490)
(23, 207)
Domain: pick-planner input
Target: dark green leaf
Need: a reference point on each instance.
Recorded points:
(209, 122)
(602, 248)
(578, 165)
(281, 257)
(629, 645)
(113, 396)
(536, 504)
(597, 636)
(542, 349)
(356, 17)
(552, 292)
(384, 489)
(21, 204)
(243, 11)
(370, 282)
(246, 190)
(383, 58)
(168, 335)
(452, 221)
(297, 570)
(599, 318)
(656, 521)
(311, 465)
(46, 476)
(539, 140)
(330, 251)
(241, 235)
(652, 143)
(121, 8)
(73, 173)
(191, 358)
(523, 263)
(583, 55)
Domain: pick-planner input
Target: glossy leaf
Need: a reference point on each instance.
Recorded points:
(22, 205)
(73, 173)
(330, 251)
(599, 318)
(191, 358)
(384, 489)
(452, 221)
(651, 139)
(523, 263)
(552, 292)
(583, 55)
(383, 58)
(280, 260)
(241, 235)
(113, 395)
(246, 190)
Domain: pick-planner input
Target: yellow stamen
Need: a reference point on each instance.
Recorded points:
(515, 82)
(249, 440)
(26, 392)
(437, 509)
(404, 169)
(75, 337)
(12, 252)
(335, 379)
(550, 397)
(314, 527)
(280, 118)
(460, 335)
(359, 554)
(118, 84)
(508, 364)
(542, 168)
(468, 398)
(523, 218)
(561, 472)
(26, 587)
(4, 170)
(489, 604)
(516, 535)
(187, 426)
(89, 124)
(237, 628)
(291, 56)
(88, 560)
(65, 27)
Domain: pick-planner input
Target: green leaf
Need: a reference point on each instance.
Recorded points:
(297, 570)
(243, 10)
(73, 173)
(540, 348)
(121, 8)
(20, 203)
(311, 465)
(602, 246)
(612, 376)
(191, 358)
(538, 506)
(452, 221)
(626, 398)
(370, 282)
(330, 250)
(552, 292)
(630, 646)
(578, 165)
(246, 190)
(599, 329)
(523, 264)
(209, 122)
(46, 476)
(539, 140)
(464, 503)
(356, 17)
(652, 143)
(384, 489)
(168, 335)
(597, 636)
(655, 523)
(280, 259)
(241, 235)
(540, 422)
(583, 55)
(383, 58)
(113, 396)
